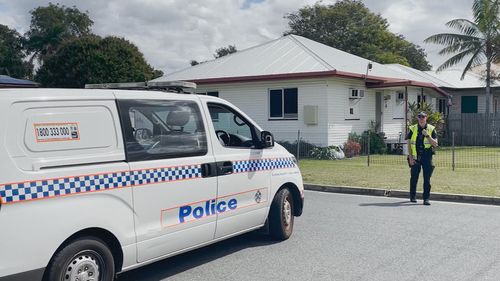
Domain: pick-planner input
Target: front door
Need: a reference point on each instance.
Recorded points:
(167, 147)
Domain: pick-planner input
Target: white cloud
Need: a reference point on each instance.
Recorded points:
(172, 32)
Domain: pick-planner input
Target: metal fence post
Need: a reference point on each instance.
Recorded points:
(368, 159)
(298, 145)
(453, 150)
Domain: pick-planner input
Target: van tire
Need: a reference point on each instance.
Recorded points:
(281, 215)
(87, 254)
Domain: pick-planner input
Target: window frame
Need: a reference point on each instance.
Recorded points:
(253, 128)
(282, 104)
(124, 105)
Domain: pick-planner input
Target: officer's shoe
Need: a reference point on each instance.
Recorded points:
(426, 202)
(413, 200)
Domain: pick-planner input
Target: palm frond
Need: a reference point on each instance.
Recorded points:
(475, 60)
(460, 47)
(465, 27)
(455, 59)
(450, 38)
(486, 15)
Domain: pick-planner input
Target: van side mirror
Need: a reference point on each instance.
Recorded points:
(267, 139)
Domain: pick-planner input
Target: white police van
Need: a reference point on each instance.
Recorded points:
(96, 182)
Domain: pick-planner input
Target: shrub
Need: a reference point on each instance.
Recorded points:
(327, 153)
(377, 144)
(352, 148)
(305, 148)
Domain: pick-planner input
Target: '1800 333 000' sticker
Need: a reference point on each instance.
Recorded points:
(48, 132)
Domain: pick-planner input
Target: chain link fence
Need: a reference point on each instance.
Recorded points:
(469, 141)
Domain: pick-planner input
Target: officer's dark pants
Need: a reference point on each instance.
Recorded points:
(425, 163)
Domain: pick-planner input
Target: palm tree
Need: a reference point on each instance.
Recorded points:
(479, 41)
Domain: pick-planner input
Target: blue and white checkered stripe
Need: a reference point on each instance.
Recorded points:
(262, 164)
(25, 191)
(141, 177)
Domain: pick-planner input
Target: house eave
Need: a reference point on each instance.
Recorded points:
(408, 83)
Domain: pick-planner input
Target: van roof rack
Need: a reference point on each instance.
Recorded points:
(171, 86)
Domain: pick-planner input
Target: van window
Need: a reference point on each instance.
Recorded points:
(231, 128)
(162, 129)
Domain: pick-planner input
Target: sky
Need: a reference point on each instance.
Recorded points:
(171, 33)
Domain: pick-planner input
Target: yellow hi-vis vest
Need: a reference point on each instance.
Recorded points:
(413, 140)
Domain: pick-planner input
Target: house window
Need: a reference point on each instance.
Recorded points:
(210, 93)
(283, 103)
(469, 104)
(442, 106)
(420, 99)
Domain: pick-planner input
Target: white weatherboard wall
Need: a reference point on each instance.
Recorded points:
(253, 99)
(393, 111)
(338, 104)
(392, 115)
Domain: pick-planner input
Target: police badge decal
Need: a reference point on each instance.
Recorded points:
(258, 196)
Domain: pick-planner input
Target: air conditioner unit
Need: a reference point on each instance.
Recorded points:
(356, 93)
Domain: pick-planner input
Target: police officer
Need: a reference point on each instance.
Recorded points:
(422, 138)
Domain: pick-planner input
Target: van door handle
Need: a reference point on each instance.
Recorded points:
(224, 168)
(208, 170)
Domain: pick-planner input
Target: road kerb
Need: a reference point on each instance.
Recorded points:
(403, 194)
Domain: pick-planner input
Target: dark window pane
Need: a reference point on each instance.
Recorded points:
(213, 94)
(231, 129)
(291, 103)
(275, 103)
(162, 129)
(469, 104)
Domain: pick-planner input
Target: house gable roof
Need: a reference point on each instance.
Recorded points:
(289, 56)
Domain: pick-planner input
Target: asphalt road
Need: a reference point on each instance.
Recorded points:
(352, 237)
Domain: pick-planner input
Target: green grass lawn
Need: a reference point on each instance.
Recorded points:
(392, 172)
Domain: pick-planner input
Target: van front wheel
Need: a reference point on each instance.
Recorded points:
(85, 259)
(281, 215)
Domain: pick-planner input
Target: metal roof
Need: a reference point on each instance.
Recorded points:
(452, 76)
(412, 72)
(288, 55)
(293, 57)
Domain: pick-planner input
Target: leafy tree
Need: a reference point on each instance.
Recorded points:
(12, 55)
(51, 26)
(350, 26)
(92, 59)
(220, 52)
(477, 40)
(224, 51)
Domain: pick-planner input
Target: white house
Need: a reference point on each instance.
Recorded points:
(293, 83)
